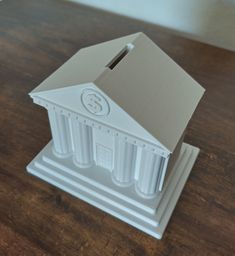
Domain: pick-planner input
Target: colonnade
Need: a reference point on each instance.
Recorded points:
(73, 137)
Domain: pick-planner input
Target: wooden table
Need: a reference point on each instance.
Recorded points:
(38, 219)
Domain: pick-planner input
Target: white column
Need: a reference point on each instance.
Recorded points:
(83, 147)
(61, 135)
(124, 162)
(149, 174)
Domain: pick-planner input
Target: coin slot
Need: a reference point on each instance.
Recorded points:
(113, 63)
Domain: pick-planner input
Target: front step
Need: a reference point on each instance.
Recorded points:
(94, 185)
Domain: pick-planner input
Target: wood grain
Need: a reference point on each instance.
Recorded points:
(38, 219)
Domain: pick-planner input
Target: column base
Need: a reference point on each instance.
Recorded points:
(119, 183)
(140, 193)
(81, 165)
(59, 155)
(95, 186)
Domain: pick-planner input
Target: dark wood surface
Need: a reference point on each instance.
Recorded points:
(38, 219)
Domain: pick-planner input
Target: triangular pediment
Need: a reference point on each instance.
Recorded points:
(89, 101)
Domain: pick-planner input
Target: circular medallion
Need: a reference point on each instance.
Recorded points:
(95, 103)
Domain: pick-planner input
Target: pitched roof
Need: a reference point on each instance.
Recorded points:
(146, 83)
(84, 66)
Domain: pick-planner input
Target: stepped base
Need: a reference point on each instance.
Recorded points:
(95, 186)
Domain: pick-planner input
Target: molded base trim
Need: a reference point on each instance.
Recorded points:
(148, 215)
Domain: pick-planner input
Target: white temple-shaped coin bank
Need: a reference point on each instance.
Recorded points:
(118, 112)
